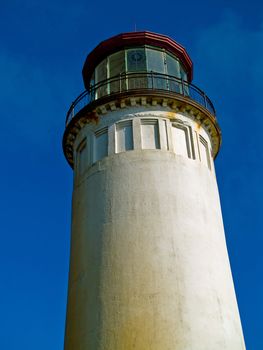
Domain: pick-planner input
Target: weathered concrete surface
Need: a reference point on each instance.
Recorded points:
(149, 266)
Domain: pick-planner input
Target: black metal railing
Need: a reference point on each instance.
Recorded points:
(135, 81)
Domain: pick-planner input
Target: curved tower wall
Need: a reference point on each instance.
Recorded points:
(149, 268)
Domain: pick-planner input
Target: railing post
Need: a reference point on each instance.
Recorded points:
(152, 78)
(120, 83)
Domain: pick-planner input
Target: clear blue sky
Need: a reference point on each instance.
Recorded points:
(43, 47)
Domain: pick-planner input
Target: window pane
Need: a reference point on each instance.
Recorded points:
(155, 61)
(116, 63)
(183, 73)
(92, 79)
(204, 152)
(124, 139)
(100, 145)
(101, 71)
(180, 140)
(173, 67)
(116, 67)
(155, 64)
(100, 75)
(81, 157)
(136, 60)
(92, 83)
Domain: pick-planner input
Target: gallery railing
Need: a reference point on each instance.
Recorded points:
(136, 81)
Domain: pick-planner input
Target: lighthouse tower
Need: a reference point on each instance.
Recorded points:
(149, 268)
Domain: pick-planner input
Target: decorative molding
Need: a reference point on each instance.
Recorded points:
(94, 113)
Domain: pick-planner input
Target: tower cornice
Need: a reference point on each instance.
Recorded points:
(93, 112)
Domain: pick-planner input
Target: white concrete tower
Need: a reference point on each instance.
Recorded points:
(149, 268)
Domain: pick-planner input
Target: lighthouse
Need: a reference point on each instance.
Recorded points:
(149, 268)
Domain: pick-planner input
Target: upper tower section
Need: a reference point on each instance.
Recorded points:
(136, 52)
(139, 69)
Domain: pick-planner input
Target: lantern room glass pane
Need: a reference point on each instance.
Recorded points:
(92, 83)
(116, 63)
(183, 73)
(155, 61)
(155, 64)
(184, 78)
(173, 69)
(100, 75)
(101, 71)
(116, 68)
(136, 60)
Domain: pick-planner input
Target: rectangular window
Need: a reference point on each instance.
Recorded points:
(81, 157)
(150, 134)
(204, 152)
(181, 140)
(124, 136)
(100, 146)
(163, 134)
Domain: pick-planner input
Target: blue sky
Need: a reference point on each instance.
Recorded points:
(43, 47)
